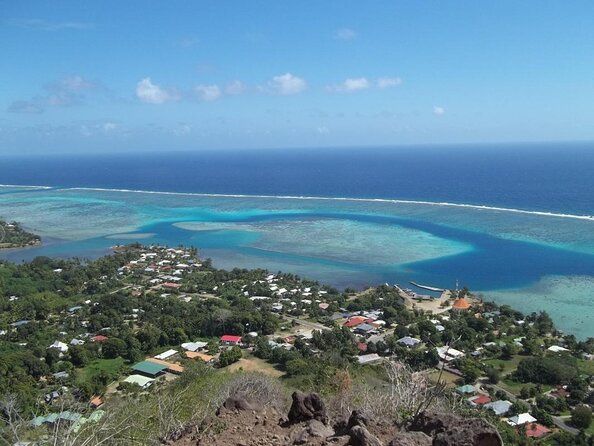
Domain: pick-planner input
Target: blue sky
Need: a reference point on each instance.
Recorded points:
(99, 76)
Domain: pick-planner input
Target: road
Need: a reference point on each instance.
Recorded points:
(312, 325)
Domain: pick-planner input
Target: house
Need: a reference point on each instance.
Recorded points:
(149, 369)
(194, 346)
(99, 338)
(139, 380)
(480, 400)
(51, 396)
(466, 389)
(60, 346)
(557, 349)
(167, 354)
(364, 328)
(354, 321)
(77, 342)
(230, 340)
(521, 419)
(96, 401)
(460, 304)
(176, 369)
(323, 306)
(61, 375)
(366, 359)
(447, 353)
(362, 347)
(535, 430)
(409, 342)
(500, 407)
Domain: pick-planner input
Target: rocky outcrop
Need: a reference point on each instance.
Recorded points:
(307, 406)
(240, 422)
(453, 430)
(411, 439)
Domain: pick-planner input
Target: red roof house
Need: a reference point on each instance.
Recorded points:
(362, 347)
(535, 430)
(480, 400)
(99, 338)
(230, 340)
(354, 321)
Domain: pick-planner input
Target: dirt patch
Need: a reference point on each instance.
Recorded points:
(251, 364)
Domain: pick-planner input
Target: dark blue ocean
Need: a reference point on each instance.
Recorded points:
(516, 225)
(550, 177)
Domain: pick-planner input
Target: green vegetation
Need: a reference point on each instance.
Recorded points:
(71, 330)
(12, 235)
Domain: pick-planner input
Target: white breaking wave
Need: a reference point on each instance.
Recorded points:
(349, 199)
(24, 187)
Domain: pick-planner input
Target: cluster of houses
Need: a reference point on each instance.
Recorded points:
(501, 408)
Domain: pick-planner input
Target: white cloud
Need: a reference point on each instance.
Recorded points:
(151, 93)
(235, 87)
(207, 92)
(388, 82)
(357, 84)
(44, 25)
(323, 130)
(438, 111)
(287, 83)
(75, 83)
(345, 34)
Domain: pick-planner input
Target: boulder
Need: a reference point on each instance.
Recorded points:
(360, 436)
(453, 430)
(307, 406)
(357, 418)
(235, 404)
(312, 429)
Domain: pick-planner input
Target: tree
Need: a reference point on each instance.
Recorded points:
(581, 417)
(114, 348)
(230, 356)
(493, 375)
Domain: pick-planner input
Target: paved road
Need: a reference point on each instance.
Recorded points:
(560, 423)
(312, 325)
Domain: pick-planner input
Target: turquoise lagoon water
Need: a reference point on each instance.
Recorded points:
(533, 261)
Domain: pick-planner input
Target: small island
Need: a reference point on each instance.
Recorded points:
(12, 235)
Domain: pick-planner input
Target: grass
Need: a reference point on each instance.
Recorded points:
(515, 386)
(112, 366)
(585, 366)
(509, 365)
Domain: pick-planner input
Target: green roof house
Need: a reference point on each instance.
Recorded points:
(150, 369)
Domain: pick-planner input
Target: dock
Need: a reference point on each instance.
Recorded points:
(426, 287)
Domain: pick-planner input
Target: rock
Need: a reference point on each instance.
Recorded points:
(307, 406)
(412, 439)
(235, 404)
(312, 429)
(360, 436)
(357, 418)
(453, 430)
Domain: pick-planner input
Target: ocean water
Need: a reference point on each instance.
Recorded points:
(511, 222)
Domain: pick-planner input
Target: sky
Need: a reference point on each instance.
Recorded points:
(114, 76)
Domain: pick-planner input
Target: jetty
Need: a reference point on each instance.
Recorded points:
(426, 287)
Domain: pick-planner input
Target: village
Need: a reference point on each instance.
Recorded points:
(123, 343)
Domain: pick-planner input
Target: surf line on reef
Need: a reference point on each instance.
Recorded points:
(346, 199)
